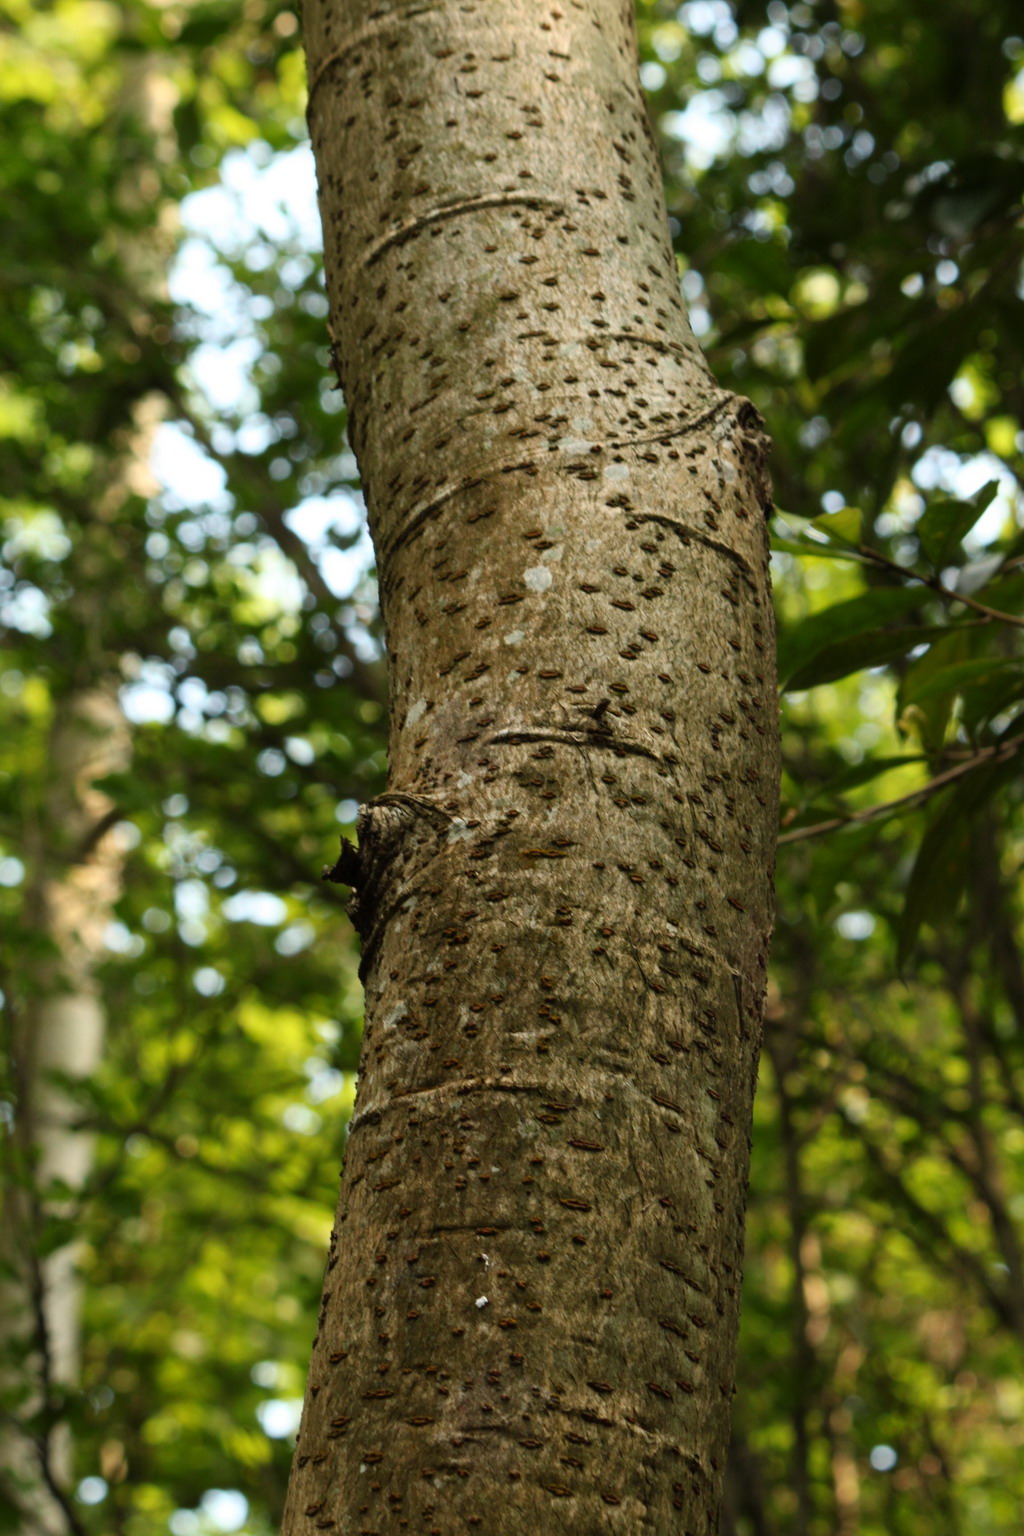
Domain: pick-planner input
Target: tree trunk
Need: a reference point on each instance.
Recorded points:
(77, 859)
(564, 897)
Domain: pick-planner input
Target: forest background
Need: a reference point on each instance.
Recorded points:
(182, 533)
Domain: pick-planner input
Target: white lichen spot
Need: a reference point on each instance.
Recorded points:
(399, 1011)
(514, 637)
(537, 578)
(482, 1301)
(577, 444)
(458, 831)
(555, 553)
(416, 712)
(616, 471)
(464, 779)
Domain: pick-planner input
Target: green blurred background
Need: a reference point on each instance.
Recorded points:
(181, 527)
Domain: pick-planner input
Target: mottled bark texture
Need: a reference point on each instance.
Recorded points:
(564, 898)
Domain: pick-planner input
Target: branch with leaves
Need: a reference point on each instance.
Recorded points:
(986, 756)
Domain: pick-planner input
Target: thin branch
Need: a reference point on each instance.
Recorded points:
(937, 586)
(969, 1265)
(43, 1442)
(364, 677)
(996, 754)
(96, 833)
(59, 1494)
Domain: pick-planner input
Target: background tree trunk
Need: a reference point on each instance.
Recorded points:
(77, 859)
(564, 898)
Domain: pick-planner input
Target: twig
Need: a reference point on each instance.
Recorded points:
(363, 676)
(43, 1443)
(937, 586)
(96, 833)
(996, 754)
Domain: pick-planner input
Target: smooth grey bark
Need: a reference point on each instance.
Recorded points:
(564, 897)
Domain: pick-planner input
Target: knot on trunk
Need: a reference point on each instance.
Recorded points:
(755, 448)
(373, 868)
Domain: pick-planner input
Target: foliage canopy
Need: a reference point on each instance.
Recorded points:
(845, 183)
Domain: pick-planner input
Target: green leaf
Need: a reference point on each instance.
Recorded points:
(800, 642)
(957, 678)
(806, 549)
(940, 869)
(869, 650)
(928, 356)
(986, 700)
(842, 527)
(832, 791)
(931, 719)
(836, 346)
(1005, 592)
(863, 773)
(944, 524)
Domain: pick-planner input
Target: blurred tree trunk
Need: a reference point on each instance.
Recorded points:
(564, 897)
(76, 859)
